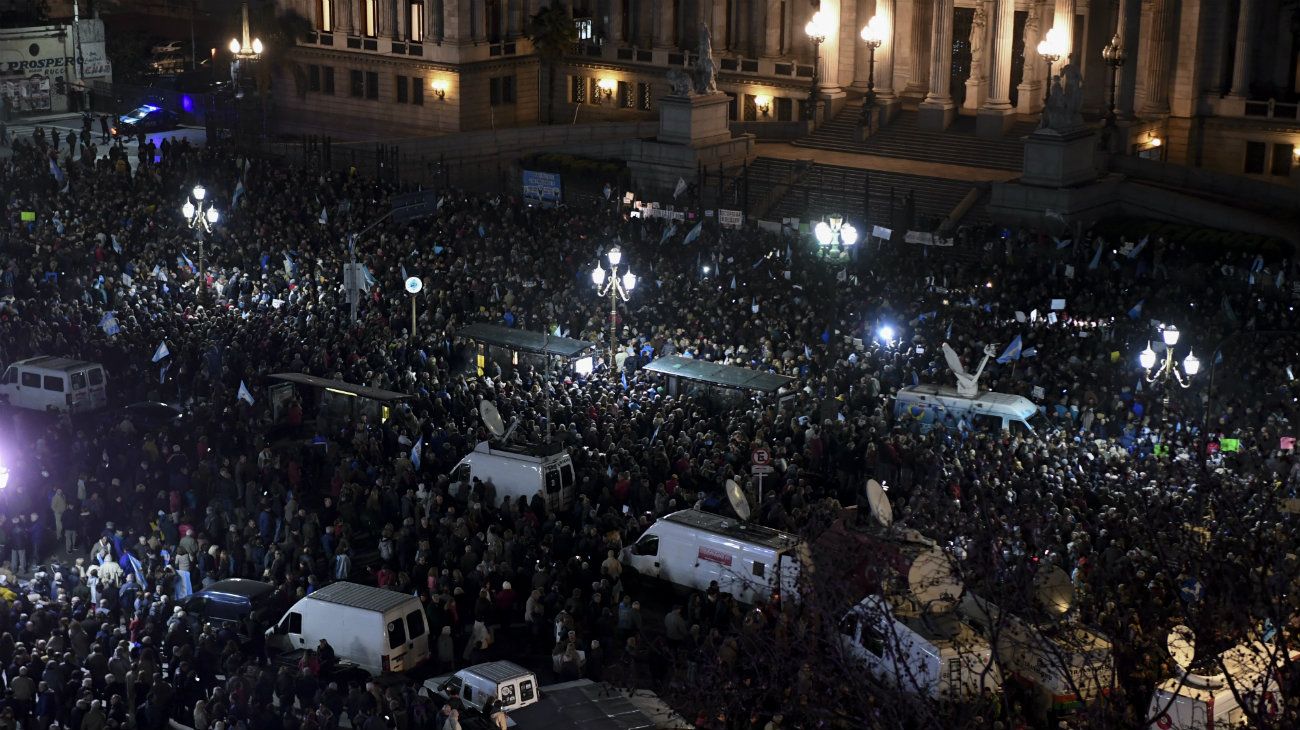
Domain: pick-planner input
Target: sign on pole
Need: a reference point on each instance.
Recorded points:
(543, 188)
(730, 218)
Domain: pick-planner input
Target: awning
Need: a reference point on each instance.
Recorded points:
(338, 386)
(723, 376)
(525, 341)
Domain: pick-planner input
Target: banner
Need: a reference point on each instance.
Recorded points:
(543, 188)
(882, 232)
(730, 218)
(927, 239)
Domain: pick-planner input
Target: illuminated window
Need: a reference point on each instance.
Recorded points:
(325, 15)
(415, 31)
(369, 17)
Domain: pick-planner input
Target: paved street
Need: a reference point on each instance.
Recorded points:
(72, 121)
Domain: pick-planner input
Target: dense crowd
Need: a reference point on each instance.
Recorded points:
(145, 515)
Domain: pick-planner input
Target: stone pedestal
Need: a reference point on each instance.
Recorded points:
(994, 123)
(869, 121)
(1060, 159)
(935, 116)
(695, 121)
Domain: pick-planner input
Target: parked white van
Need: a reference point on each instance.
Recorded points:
(691, 548)
(506, 682)
(1065, 665)
(936, 655)
(521, 470)
(378, 630)
(923, 407)
(1205, 701)
(50, 383)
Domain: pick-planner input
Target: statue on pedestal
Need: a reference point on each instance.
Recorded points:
(1064, 109)
(700, 79)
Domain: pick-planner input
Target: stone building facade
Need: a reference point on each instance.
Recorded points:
(1209, 83)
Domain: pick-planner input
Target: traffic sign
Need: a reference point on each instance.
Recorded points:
(760, 457)
(759, 470)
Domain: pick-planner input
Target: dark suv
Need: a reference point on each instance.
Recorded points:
(227, 603)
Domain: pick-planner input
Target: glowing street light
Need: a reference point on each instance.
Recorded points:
(615, 287)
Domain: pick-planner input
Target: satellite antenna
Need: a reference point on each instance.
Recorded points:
(933, 582)
(492, 419)
(968, 384)
(879, 503)
(1182, 646)
(1054, 591)
(738, 500)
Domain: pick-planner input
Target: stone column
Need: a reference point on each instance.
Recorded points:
(979, 56)
(829, 54)
(614, 31)
(1241, 57)
(861, 60)
(771, 29)
(937, 111)
(1030, 93)
(995, 116)
(885, 54)
(390, 25)
(1159, 61)
(1065, 21)
(918, 82)
(665, 25)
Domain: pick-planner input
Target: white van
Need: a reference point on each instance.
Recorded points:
(691, 548)
(936, 655)
(50, 383)
(1206, 701)
(378, 630)
(508, 683)
(521, 470)
(923, 407)
(1065, 665)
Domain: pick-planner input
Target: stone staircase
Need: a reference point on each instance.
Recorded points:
(901, 138)
(825, 189)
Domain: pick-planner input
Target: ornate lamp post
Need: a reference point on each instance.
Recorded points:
(1052, 48)
(873, 34)
(200, 216)
(835, 231)
(817, 32)
(1167, 370)
(1114, 56)
(615, 287)
(245, 52)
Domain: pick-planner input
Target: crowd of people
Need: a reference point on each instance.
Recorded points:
(140, 515)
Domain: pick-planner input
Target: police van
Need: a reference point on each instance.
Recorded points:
(923, 407)
(51, 383)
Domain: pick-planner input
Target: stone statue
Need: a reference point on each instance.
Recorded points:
(705, 74)
(1064, 110)
(978, 24)
(680, 81)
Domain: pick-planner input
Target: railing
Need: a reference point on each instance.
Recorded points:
(1272, 109)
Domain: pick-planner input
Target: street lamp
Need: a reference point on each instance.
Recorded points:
(873, 34)
(248, 50)
(1114, 56)
(835, 231)
(817, 32)
(1167, 370)
(615, 287)
(200, 214)
(1052, 48)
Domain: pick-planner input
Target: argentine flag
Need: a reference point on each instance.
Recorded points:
(1012, 352)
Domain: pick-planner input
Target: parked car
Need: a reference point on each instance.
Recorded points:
(168, 47)
(146, 118)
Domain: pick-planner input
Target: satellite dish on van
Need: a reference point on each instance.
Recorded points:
(491, 418)
(933, 582)
(879, 503)
(1054, 591)
(968, 384)
(738, 500)
(1182, 646)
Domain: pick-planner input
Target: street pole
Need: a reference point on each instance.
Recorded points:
(413, 316)
(613, 325)
(354, 290)
(811, 113)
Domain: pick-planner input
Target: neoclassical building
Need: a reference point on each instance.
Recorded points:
(1209, 83)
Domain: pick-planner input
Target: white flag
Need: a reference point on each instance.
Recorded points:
(244, 395)
(324, 216)
(681, 187)
(161, 352)
(416, 452)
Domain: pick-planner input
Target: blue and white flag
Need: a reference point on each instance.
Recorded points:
(1096, 257)
(417, 452)
(623, 379)
(733, 281)
(189, 263)
(694, 233)
(109, 324)
(239, 193)
(161, 352)
(244, 394)
(1133, 252)
(324, 216)
(57, 172)
(669, 231)
(1029, 352)
(136, 567)
(1136, 311)
(1012, 352)
(162, 373)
